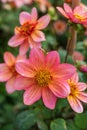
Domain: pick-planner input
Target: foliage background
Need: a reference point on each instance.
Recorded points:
(14, 115)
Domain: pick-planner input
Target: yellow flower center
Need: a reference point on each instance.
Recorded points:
(78, 17)
(43, 77)
(73, 88)
(27, 28)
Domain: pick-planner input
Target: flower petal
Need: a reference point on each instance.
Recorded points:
(38, 36)
(75, 78)
(25, 69)
(24, 17)
(60, 88)
(52, 59)
(62, 12)
(24, 48)
(34, 44)
(65, 71)
(16, 40)
(49, 98)
(9, 59)
(75, 104)
(22, 83)
(10, 85)
(82, 96)
(5, 73)
(34, 15)
(32, 94)
(37, 58)
(81, 86)
(43, 22)
(67, 8)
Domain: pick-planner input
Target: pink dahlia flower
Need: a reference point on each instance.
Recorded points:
(77, 15)
(29, 34)
(44, 77)
(76, 93)
(8, 72)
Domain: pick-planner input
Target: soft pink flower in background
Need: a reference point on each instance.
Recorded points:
(60, 26)
(77, 15)
(77, 56)
(18, 3)
(43, 4)
(44, 77)
(29, 34)
(8, 72)
(76, 93)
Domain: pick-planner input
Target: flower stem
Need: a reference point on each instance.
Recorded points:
(73, 35)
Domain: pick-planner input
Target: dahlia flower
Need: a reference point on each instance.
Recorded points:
(77, 15)
(76, 93)
(29, 33)
(44, 77)
(8, 72)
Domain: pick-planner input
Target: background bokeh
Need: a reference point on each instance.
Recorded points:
(14, 115)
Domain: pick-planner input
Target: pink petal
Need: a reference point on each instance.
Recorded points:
(31, 95)
(49, 98)
(38, 36)
(24, 17)
(60, 88)
(37, 58)
(74, 78)
(5, 73)
(82, 96)
(34, 44)
(62, 12)
(16, 40)
(25, 69)
(22, 83)
(21, 58)
(10, 85)
(9, 59)
(34, 14)
(75, 104)
(43, 22)
(80, 11)
(67, 8)
(81, 86)
(52, 59)
(24, 48)
(65, 71)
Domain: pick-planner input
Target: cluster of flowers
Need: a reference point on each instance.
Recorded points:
(41, 75)
(17, 3)
(43, 4)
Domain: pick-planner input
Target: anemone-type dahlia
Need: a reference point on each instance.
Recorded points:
(29, 32)
(77, 15)
(76, 93)
(8, 72)
(44, 77)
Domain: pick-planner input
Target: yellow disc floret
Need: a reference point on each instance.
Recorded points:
(43, 77)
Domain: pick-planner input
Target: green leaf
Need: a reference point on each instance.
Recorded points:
(81, 120)
(62, 54)
(25, 120)
(7, 127)
(58, 124)
(42, 125)
(71, 126)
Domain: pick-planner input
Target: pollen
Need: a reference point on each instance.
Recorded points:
(73, 88)
(27, 28)
(78, 17)
(43, 78)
